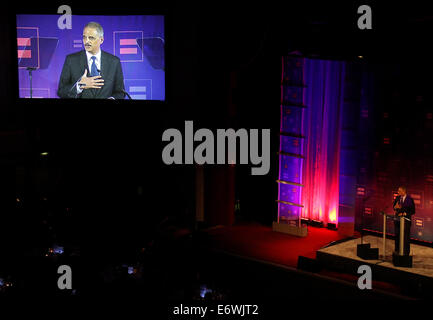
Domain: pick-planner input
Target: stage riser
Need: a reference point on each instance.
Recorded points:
(410, 283)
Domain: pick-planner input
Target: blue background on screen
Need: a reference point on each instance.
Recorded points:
(142, 62)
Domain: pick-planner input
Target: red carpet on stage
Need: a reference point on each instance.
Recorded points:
(260, 242)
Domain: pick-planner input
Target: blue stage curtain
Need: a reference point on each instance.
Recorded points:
(322, 123)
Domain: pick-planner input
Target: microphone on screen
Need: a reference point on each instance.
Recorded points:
(126, 93)
(123, 91)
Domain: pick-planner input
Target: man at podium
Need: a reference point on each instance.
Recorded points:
(403, 206)
(92, 73)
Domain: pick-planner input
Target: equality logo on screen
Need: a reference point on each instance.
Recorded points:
(28, 47)
(139, 89)
(77, 43)
(126, 46)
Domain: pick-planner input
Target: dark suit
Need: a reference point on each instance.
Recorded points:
(73, 69)
(407, 206)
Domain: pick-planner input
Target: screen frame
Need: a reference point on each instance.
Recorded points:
(150, 10)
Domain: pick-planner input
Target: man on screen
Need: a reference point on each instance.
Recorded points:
(403, 206)
(92, 73)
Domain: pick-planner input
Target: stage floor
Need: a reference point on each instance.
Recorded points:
(260, 242)
(422, 255)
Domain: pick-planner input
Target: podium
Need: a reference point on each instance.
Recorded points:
(399, 259)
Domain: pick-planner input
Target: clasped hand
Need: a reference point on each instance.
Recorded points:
(95, 82)
(398, 206)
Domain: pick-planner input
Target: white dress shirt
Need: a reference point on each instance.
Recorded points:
(89, 63)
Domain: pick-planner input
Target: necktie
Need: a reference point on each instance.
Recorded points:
(94, 69)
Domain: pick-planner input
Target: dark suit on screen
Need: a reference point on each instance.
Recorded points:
(408, 206)
(73, 69)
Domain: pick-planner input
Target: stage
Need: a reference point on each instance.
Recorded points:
(324, 253)
(342, 257)
(260, 242)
